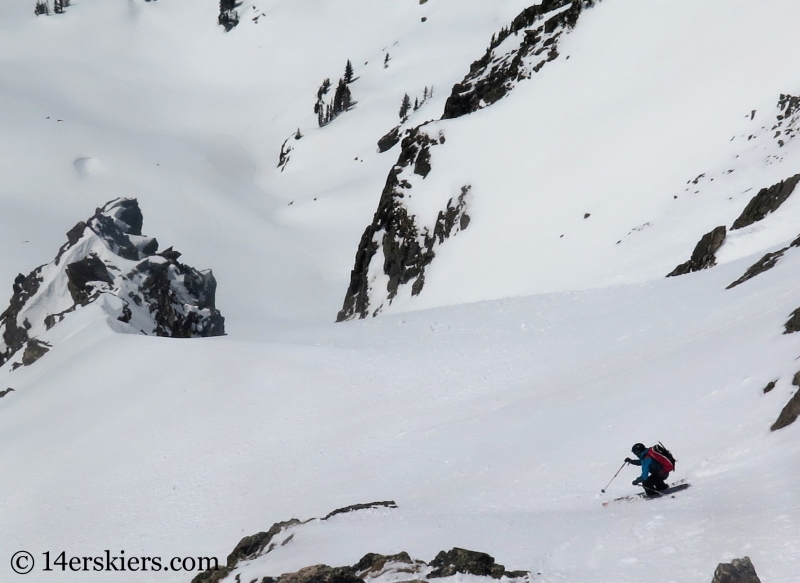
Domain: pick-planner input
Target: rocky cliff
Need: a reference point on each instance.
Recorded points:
(106, 259)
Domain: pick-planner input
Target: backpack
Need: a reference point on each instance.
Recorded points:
(663, 456)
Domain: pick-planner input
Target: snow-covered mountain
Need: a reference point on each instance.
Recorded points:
(107, 260)
(488, 197)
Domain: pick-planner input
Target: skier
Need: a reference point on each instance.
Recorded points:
(655, 468)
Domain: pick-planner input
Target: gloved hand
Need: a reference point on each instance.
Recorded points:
(628, 460)
(637, 481)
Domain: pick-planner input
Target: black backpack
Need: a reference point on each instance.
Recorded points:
(659, 448)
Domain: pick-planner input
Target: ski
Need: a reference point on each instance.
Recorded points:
(668, 493)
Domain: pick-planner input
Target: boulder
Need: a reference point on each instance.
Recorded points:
(737, 571)
(456, 560)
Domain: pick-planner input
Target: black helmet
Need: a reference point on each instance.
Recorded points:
(638, 448)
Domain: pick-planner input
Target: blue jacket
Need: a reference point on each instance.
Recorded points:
(649, 465)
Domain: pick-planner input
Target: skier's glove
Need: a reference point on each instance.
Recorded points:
(628, 460)
(637, 481)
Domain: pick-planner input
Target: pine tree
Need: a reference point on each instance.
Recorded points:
(386, 61)
(58, 6)
(416, 104)
(42, 7)
(348, 72)
(342, 98)
(405, 106)
(425, 95)
(228, 17)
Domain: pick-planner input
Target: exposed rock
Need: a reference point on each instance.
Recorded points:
(791, 411)
(787, 126)
(766, 201)
(769, 387)
(34, 350)
(764, 264)
(7, 391)
(373, 562)
(536, 32)
(247, 548)
(255, 544)
(108, 257)
(283, 158)
(321, 574)
(737, 571)
(372, 568)
(407, 244)
(793, 323)
(89, 270)
(703, 254)
(15, 329)
(458, 560)
(354, 507)
(389, 141)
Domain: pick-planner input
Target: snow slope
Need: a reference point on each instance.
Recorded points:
(580, 176)
(492, 424)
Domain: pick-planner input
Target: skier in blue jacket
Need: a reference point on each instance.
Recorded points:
(655, 469)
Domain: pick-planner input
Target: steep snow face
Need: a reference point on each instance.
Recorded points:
(600, 145)
(107, 260)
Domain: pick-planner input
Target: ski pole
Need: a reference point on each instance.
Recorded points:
(625, 463)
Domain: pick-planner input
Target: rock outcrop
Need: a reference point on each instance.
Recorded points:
(791, 411)
(703, 255)
(767, 201)
(737, 571)
(355, 507)
(458, 560)
(248, 548)
(405, 242)
(106, 259)
(787, 125)
(514, 54)
(766, 263)
(390, 140)
(371, 568)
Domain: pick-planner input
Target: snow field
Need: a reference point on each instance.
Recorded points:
(488, 434)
